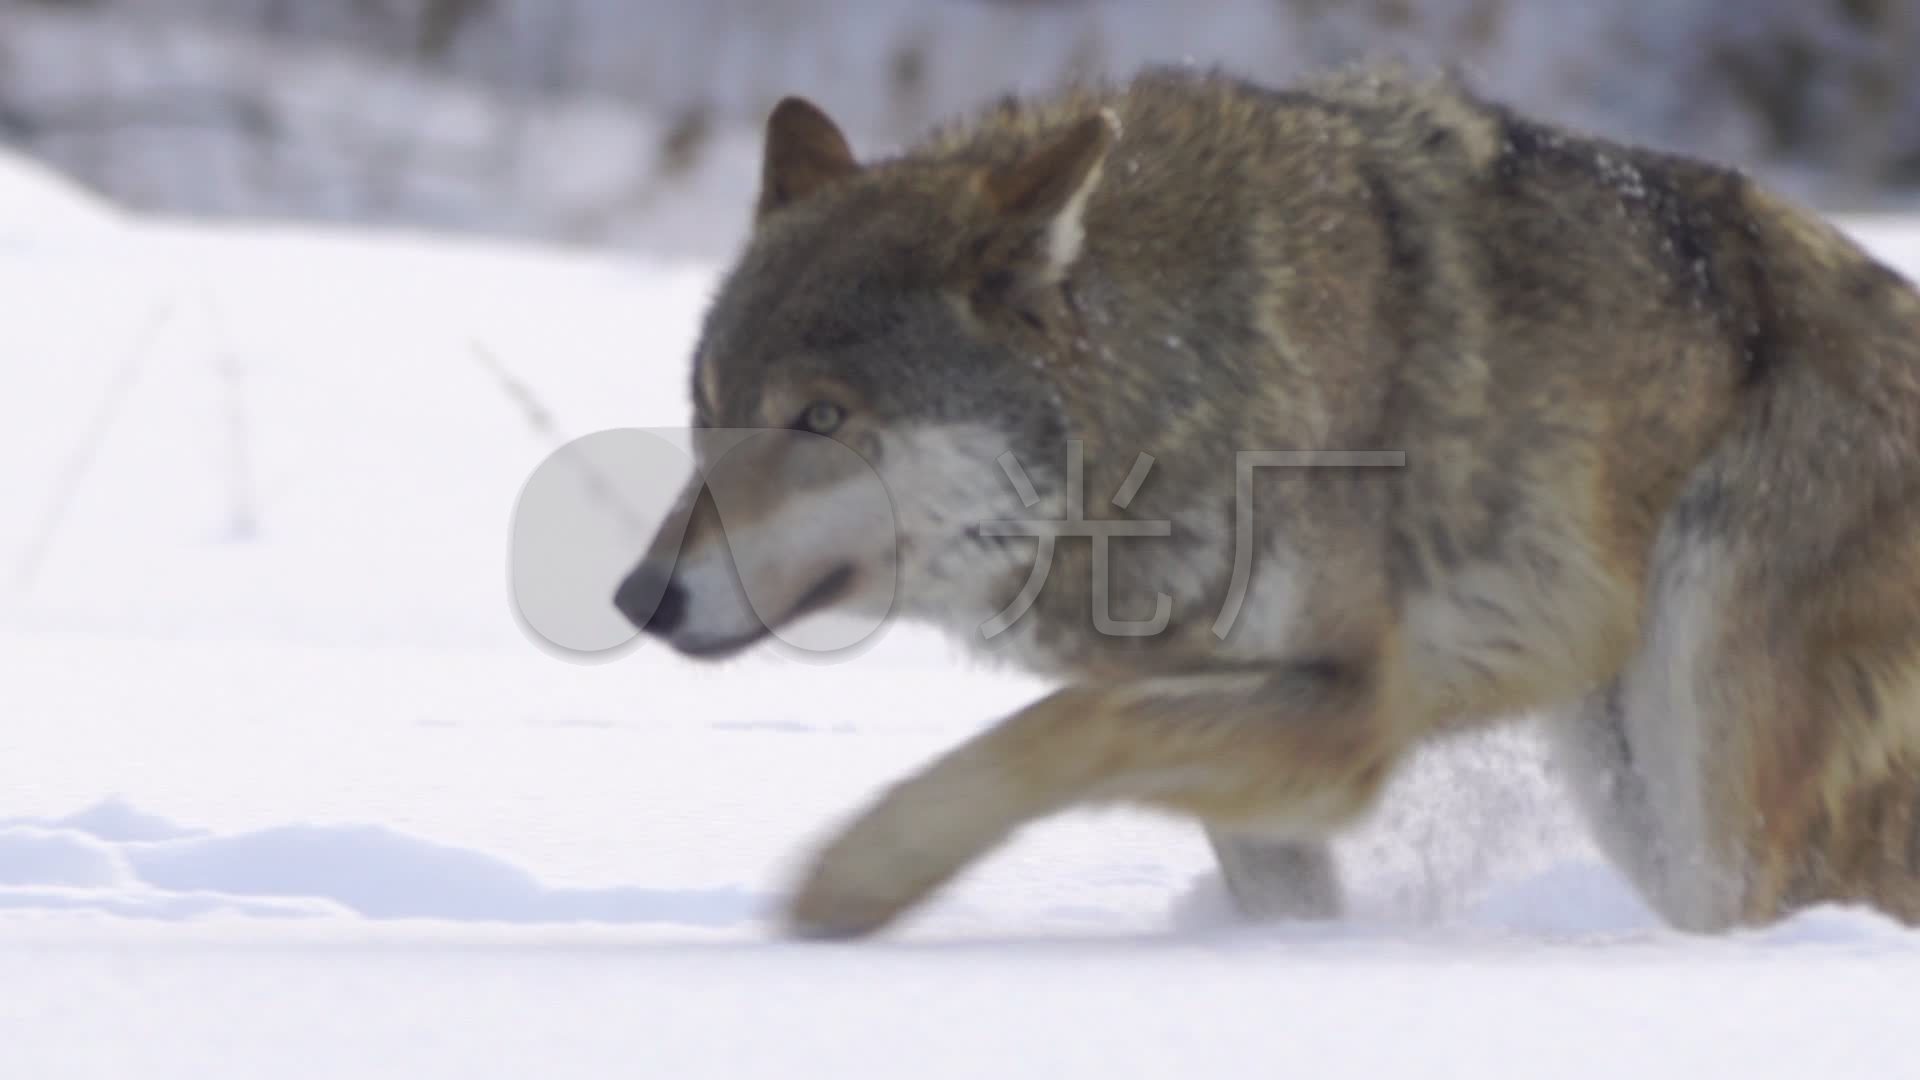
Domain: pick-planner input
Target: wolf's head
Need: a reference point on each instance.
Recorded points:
(888, 335)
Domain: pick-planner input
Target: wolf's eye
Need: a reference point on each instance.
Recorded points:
(822, 418)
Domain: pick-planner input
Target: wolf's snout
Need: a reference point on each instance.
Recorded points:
(651, 600)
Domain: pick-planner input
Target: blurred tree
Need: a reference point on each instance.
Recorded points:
(404, 96)
(1833, 81)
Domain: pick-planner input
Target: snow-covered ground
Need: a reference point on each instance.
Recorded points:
(286, 792)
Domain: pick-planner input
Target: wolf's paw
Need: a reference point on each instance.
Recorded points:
(916, 839)
(868, 877)
(819, 911)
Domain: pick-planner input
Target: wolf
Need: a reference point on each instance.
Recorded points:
(1657, 433)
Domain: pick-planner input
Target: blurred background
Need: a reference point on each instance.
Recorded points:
(601, 122)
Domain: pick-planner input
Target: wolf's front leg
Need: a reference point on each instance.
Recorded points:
(1303, 748)
(1273, 878)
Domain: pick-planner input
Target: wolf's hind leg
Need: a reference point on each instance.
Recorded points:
(1272, 878)
(1594, 754)
(1760, 754)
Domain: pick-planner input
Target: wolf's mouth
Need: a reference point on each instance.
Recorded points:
(819, 595)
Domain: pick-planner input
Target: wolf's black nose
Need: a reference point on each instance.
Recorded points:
(651, 601)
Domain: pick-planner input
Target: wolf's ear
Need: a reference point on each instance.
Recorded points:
(805, 153)
(1048, 189)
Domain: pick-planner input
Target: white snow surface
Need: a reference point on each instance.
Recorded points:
(285, 791)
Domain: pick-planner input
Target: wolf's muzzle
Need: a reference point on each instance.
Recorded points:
(651, 600)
